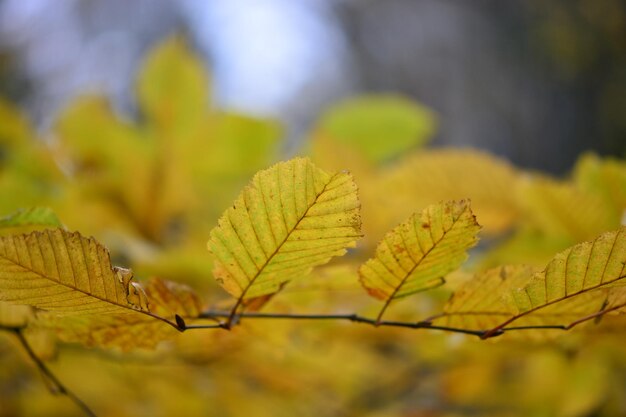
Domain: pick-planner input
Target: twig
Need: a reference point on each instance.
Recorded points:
(349, 317)
(207, 326)
(179, 324)
(47, 373)
(594, 315)
(532, 327)
(424, 324)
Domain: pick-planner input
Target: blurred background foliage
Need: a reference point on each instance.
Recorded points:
(123, 130)
(536, 81)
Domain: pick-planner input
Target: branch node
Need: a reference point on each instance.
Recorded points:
(491, 333)
(182, 326)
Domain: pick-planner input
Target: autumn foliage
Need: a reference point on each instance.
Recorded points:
(366, 277)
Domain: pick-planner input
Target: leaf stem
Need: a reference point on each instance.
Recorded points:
(230, 321)
(47, 373)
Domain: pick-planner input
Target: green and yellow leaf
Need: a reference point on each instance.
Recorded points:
(377, 127)
(28, 174)
(292, 217)
(419, 253)
(66, 273)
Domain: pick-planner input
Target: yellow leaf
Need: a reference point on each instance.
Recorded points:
(419, 253)
(573, 275)
(14, 315)
(605, 177)
(439, 175)
(102, 153)
(42, 341)
(562, 209)
(527, 246)
(233, 147)
(168, 298)
(477, 305)
(128, 331)
(95, 139)
(173, 87)
(65, 273)
(583, 267)
(172, 164)
(292, 217)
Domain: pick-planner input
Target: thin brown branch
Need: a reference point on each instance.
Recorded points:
(209, 326)
(424, 324)
(47, 373)
(179, 324)
(595, 315)
(531, 327)
(348, 317)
